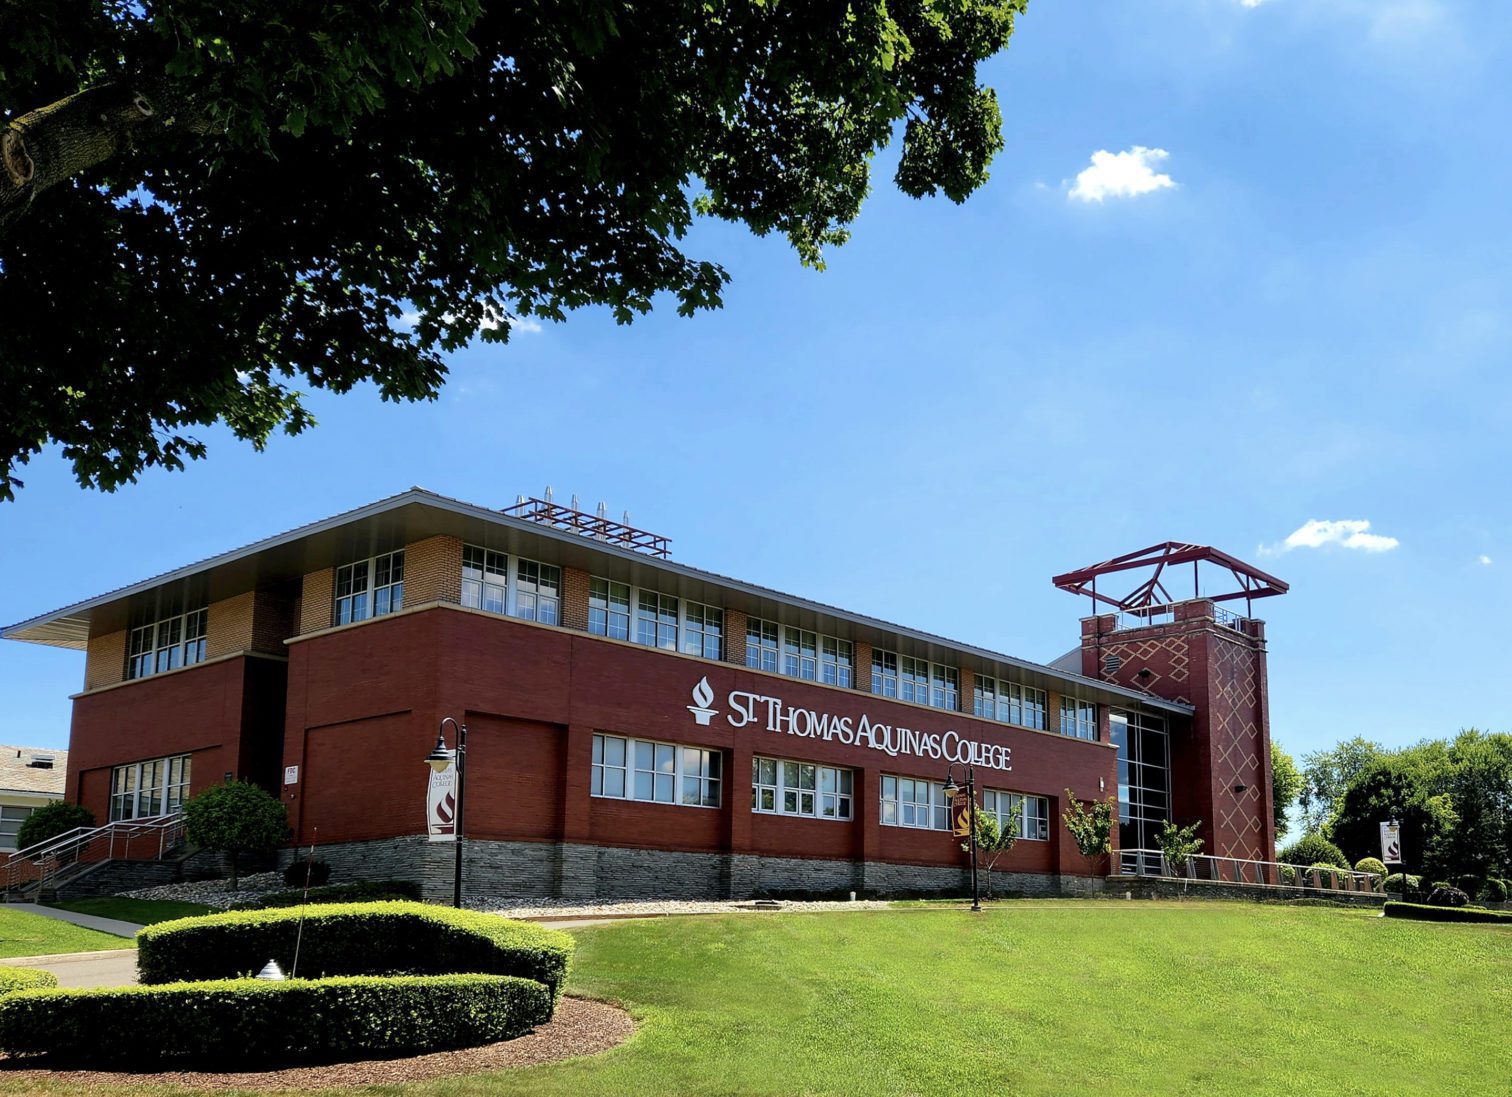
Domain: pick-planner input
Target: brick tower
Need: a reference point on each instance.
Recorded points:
(1195, 651)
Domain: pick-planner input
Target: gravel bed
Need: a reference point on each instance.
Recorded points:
(580, 1027)
(574, 908)
(214, 893)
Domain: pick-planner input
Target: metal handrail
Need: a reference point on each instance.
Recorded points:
(45, 861)
(1244, 870)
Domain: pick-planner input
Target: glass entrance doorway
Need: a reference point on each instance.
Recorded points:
(1144, 777)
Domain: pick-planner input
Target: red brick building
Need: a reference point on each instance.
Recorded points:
(637, 726)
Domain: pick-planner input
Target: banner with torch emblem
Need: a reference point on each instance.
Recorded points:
(441, 805)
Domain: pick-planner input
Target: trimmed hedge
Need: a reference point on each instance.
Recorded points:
(1371, 864)
(1312, 849)
(254, 1021)
(25, 978)
(353, 939)
(361, 891)
(1424, 913)
(1494, 891)
(307, 870)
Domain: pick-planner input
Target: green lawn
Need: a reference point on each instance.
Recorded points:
(144, 912)
(1044, 998)
(23, 934)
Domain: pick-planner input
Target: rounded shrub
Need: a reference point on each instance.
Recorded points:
(51, 820)
(1288, 874)
(1445, 896)
(254, 1021)
(1313, 849)
(25, 978)
(1494, 891)
(1371, 864)
(1469, 883)
(307, 871)
(354, 939)
(1394, 882)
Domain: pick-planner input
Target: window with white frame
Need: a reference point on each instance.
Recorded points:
(485, 579)
(538, 592)
(800, 654)
(884, 673)
(1078, 718)
(914, 802)
(656, 620)
(173, 642)
(703, 630)
(916, 680)
(609, 609)
(762, 648)
(663, 773)
(800, 788)
(944, 687)
(143, 790)
(996, 699)
(11, 819)
(913, 680)
(836, 662)
(1025, 816)
(370, 588)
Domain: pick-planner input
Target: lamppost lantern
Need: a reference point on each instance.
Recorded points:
(439, 759)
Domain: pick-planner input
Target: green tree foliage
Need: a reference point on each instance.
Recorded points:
(51, 820)
(207, 205)
(992, 840)
(1090, 828)
(1286, 786)
(1313, 849)
(236, 818)
(1325, 776)
(1404, 786)
(1178, 845)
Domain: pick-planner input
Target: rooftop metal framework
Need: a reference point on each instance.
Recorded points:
(1163, 560)
(598, 527)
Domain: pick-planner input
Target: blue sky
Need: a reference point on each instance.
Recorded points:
(1279, 297)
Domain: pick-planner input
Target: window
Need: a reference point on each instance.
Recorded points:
(835, 662)
(656, 621)
(485, 579)
(538, 592)
(703, 631)
(1078, 718)
(1033, 813)
(799, 788)
(884, 673)
(609, 609)
(761, 645)
(370, 588)
(911, 802)
(168, 644)
(635, 769)
(800, 654)
(913, 680)
(1143, 777)
(995, 699)
(11, 819)
(945, 687)
(146, 789)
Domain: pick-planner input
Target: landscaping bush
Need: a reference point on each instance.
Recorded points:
(1313, 849)
(25, 978)
(1324, 874)
(354, 939)
(1371, 864)
(359, 891)
(315, 873)
(1494, 891)
(1424, 913)
(1448, 897)
(1394, 882)
(1469, 884)
(51, 820)
(1288, 874)
(246, 1021)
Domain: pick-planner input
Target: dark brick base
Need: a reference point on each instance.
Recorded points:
(1146, 887)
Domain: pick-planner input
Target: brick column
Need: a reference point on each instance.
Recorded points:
(575, 583)
(863, 656)
(433, 571)
(867, 811)
(317, 605)
(228, 625)
(105, 665)
(577, 874)
(967, 698)
(735, 622)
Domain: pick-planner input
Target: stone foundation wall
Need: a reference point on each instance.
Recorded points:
(1146, 887)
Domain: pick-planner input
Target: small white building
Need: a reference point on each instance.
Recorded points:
(29, 778)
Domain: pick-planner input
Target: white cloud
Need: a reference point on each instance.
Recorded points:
(1124, 174)
(1483, 560)
(527, 324)
(1349, 533)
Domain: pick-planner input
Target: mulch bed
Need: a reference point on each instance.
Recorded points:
(580, 1027)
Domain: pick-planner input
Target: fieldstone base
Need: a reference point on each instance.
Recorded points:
(533, 870)
(1149, 887)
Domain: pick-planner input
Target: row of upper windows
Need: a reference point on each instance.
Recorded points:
(625, 768)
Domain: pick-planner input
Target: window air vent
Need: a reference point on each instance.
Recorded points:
(41, 761)
(1111, 663)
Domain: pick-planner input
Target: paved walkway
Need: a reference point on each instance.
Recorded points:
(88, 921)
(85, 969)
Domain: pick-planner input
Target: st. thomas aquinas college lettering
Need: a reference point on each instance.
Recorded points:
(774, 715)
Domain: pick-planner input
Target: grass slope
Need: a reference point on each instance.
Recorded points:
(144, 912)
(1044, 998)
(23, 934)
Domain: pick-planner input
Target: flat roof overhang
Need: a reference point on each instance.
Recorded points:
(416, 514)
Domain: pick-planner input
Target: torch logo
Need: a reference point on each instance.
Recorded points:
(703, 701)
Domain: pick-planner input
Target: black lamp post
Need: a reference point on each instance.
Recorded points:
(951, 788)
(438, 760)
